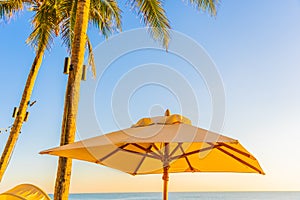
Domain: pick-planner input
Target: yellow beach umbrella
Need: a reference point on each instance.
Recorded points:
(163, 145)
(24, 192)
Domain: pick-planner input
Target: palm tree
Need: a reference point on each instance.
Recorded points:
(49, 16)
(105, 15)
(154, 16)
(44, 25)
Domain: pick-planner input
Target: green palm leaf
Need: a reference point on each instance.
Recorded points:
(91, 59)
(154, 16)
(106, 16)
(45, 24)
(206, 5)
(9, 7)
(68, 9)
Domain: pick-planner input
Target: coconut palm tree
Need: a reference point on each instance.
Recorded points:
(50, 16)
(44, 23)
(154, 17)
(105, 15)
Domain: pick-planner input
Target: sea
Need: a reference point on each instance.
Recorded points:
(190, 196)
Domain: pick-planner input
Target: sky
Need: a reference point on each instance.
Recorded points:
(255, 48)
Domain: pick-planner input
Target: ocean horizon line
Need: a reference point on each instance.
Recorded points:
(231, 191)
(225, 195)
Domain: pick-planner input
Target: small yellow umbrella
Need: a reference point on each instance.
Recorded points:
(24, 192)
(163, 145)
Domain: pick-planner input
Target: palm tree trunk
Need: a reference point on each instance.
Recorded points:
(62, 184)
(17, 125)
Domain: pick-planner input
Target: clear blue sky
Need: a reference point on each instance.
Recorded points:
(256, 48)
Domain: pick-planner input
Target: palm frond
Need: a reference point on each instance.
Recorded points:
(154, 16)
(9, 7)
(44, 23)
(206, 5)
(68, 9)
(106, 16)
(91, 60)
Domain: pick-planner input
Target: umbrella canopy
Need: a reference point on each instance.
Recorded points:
(165, 144)
(24, 191)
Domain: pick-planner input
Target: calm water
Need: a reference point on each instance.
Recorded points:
(192, 196)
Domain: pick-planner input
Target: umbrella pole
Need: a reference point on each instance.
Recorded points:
(166, 179)
(166, 170)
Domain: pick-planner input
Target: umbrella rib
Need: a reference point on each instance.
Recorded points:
(175, 149)
(156, 148)
(240, 160)
(194, 152)
(139, 165)
(140, 147)
(142, 154)
(186, 159)
(113, 152)
(142, 160)
(237, 150)
(145, 149)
